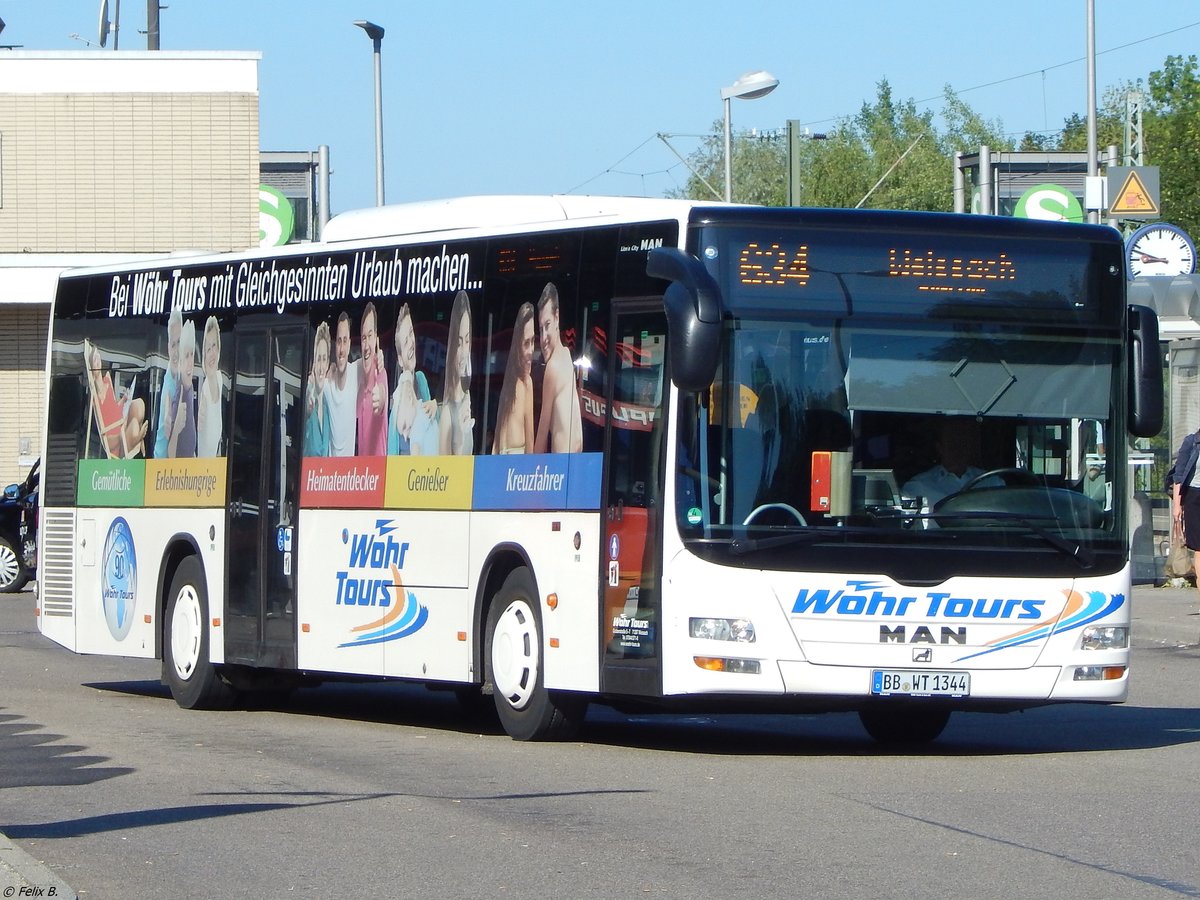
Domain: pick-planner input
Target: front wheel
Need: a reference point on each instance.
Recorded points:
(13, 574)
(513, 656)
(186, 668)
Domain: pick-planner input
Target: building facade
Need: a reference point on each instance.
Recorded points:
(106, 156)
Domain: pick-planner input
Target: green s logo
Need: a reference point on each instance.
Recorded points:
(276, 221)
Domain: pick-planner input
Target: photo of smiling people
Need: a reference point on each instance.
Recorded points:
(514, 420)
(182, 439)
(456, 423)
(119, 416)
(317, 415)
(209, 426)
(342, 394)
(169, 395)
(560, 424)
(372, 388)
(412, 425)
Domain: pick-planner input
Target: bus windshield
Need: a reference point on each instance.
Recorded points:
(890, 432)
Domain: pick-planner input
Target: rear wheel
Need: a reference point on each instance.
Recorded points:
(904, 725)
(186, 668)
(515, 669)
(13, 574)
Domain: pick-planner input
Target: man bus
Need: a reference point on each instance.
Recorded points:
(754, 385)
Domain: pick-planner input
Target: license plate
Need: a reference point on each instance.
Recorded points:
(920, 684)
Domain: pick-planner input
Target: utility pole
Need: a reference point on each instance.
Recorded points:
(152, 9)
(1093, 154)
(796, 135)
(1133, 129)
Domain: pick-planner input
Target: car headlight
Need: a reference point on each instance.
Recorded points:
(740, 630)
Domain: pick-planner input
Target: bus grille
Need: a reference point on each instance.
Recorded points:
(56, 571)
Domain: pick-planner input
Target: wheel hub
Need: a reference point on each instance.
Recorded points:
(515, 652)
(186, 631)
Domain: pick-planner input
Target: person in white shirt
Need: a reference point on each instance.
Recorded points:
(957, 447)
(208, 408)
(342, 393)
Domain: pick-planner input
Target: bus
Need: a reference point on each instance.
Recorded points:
(651, 454)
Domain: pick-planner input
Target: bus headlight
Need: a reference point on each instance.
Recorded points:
(739, 630)
(1105, 637)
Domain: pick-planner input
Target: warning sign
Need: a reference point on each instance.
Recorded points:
(1133, 192)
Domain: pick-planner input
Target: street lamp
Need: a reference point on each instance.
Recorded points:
(750, 86)
(375, 33)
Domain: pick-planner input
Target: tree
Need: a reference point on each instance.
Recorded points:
(759, 169)
(886, 157)
(890, 155)
(1110, 127)
(1171, 134)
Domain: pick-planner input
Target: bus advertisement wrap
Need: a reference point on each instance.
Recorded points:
(819, 459)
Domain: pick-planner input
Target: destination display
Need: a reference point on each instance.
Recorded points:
(911, 273)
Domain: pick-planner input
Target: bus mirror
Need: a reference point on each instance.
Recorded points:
(1145, 373)
(693, 308)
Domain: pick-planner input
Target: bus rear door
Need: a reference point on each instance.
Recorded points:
(264, 477)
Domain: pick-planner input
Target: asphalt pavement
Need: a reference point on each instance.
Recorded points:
(1165, 616)
(1162, 617)
(23, 876)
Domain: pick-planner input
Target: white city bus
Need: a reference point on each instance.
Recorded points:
(564, 450)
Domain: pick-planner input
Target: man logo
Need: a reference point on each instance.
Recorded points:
(924, 654)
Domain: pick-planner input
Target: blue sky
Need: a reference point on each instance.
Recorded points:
(533, 96)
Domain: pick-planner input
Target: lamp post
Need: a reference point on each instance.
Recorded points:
(1093, 155)
(375, 33)
(750, 86)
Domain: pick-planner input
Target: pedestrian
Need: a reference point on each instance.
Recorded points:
(1183, 479)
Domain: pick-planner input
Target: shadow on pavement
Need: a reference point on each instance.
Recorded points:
(33, 759)
(1060, 728)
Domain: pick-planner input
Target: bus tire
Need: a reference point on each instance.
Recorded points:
(904, 725)
(194, 681)
(513, 657)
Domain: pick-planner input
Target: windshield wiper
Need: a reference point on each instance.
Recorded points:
(1076, 551)
(742, 546)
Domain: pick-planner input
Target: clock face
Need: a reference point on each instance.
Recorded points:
(1161, 249)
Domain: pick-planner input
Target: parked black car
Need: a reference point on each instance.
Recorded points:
(18, 532)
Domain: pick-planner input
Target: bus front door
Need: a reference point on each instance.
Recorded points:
(631, 604)
(264, 476)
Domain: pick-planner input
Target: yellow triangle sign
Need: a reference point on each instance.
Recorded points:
(1133, 198)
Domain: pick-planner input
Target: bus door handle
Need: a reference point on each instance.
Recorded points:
(235, 508)
(617, 513)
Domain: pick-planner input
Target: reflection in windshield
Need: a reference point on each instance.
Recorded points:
(911, 434)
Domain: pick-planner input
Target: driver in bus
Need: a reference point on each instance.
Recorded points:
(958, 453)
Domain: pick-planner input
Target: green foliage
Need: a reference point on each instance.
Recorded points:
(1171, 134)
(890, 155)
(885, 134)
(1110, 128)
(759, 169)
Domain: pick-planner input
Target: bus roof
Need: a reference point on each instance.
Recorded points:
(491, 212)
